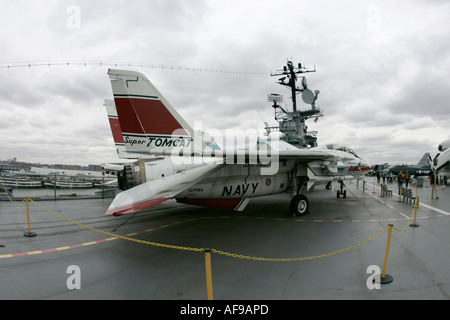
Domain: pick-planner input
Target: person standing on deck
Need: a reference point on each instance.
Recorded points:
(434, 181)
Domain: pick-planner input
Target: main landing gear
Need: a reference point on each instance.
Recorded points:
(299, 205)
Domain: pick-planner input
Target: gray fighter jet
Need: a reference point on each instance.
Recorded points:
(422, 168)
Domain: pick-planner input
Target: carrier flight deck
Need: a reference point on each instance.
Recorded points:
(159, 267)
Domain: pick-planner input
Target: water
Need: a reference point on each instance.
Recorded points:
(67, 172)
(51, 193)
(47, 193)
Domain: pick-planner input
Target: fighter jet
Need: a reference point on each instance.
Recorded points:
(174, 161)
(441, 161)
(422, 168)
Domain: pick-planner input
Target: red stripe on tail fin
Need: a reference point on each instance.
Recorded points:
(146, 116)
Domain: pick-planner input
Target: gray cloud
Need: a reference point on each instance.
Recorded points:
(382, 70)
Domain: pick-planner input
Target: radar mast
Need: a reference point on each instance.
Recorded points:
(292, 124)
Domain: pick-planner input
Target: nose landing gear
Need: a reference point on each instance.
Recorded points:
(341, 191)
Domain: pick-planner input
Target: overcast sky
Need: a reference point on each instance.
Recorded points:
(382, 70)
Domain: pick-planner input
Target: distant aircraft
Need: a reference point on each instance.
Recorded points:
(174, 161)
(441, 161)
(422, 168)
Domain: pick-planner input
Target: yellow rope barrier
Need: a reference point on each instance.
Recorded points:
(7, 193)
(385, 278)
(410, 218)
(229, 254)
(297, 259)
(119, 236)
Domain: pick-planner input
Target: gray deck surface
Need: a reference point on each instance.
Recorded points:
(419, 260)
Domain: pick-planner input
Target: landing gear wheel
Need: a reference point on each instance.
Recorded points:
(344, 193)
(299, 205)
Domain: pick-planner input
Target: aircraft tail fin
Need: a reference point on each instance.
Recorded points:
(425, 161)
(147, 120)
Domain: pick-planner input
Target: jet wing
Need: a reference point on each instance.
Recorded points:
(234, 156)
(269, 149)
(286, 151)
(151, 193)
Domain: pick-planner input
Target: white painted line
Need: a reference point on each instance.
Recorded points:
(420, 204)
(388, 205)
(433, 208)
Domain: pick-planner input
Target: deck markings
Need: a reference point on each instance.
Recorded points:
(90, 243)
(85, 244)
